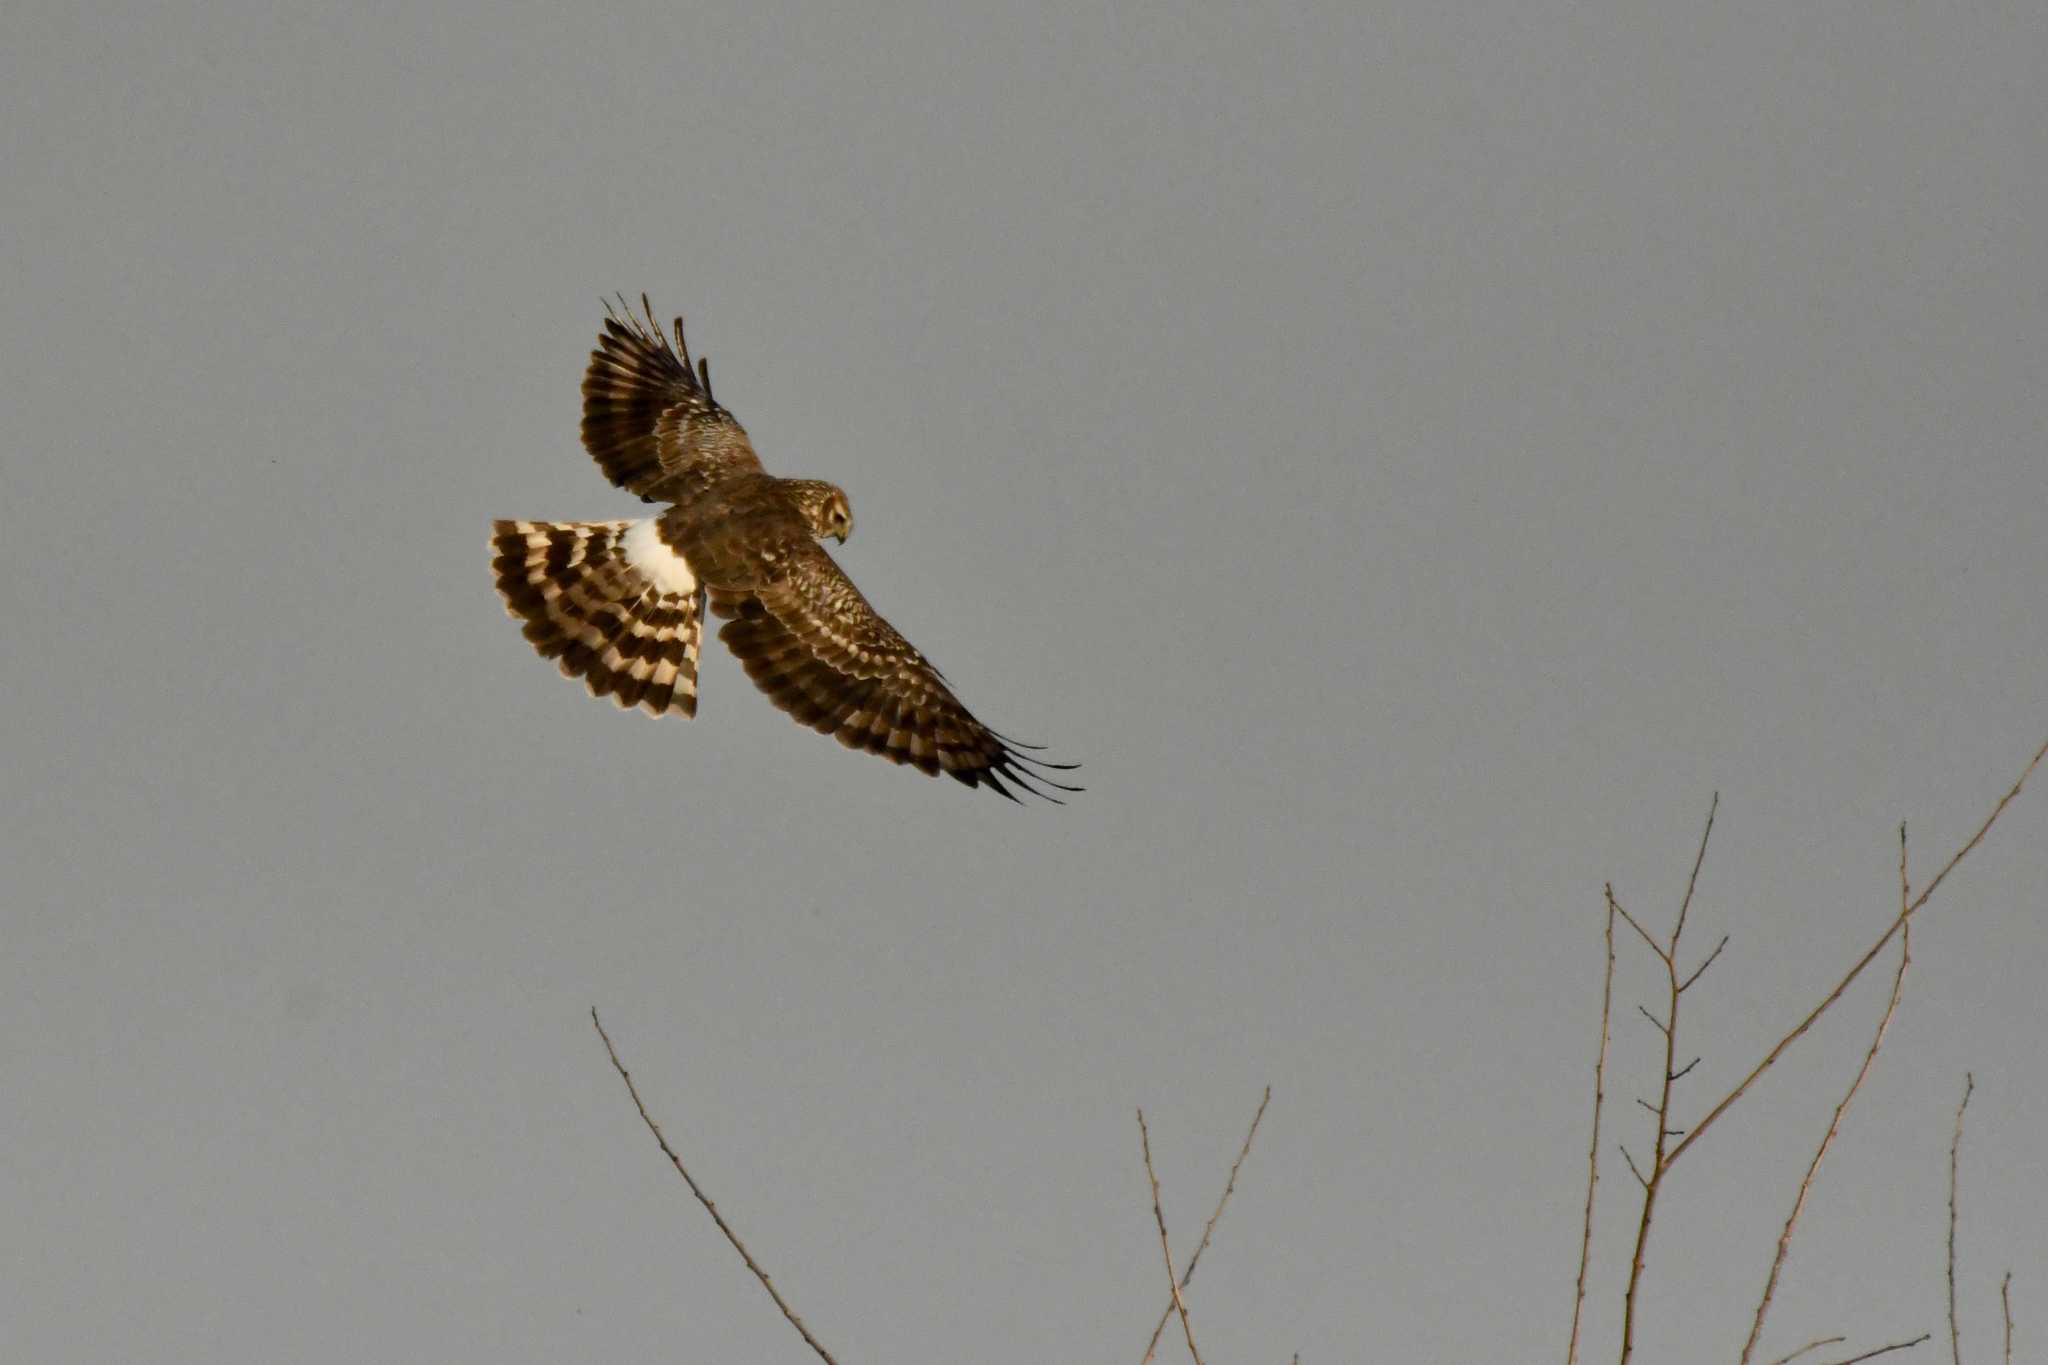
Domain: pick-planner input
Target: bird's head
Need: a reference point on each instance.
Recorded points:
(824, 507)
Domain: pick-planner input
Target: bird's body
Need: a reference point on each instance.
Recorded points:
(737, 533)
(621, 604)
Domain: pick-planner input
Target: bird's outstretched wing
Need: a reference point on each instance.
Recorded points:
(649, 419)
(812, 643)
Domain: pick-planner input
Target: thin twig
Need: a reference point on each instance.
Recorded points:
(1905, 886)
(2005, 1300)
(1571, 1354)
(1884, 1350)
(1763, 1304)
(1187, 1275)
(705, 1199)
(1621, 910)
(1165, 1249)
(1693, 880)
(1660, 1161)
(1701, 970)
(1770, 1058)
(1632, 1165)
(1955, 1339)
(1814, 1345)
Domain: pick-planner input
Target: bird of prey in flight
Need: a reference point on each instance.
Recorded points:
(620, 604)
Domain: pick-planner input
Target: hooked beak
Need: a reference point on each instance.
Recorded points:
(839, 536)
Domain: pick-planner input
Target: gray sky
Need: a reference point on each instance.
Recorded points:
(1412, 455)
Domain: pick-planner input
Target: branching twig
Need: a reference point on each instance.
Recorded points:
(1660, 1160)
(1165, 1249)
(1955, 1339)
(705, 1199)
(1699, 1129)
(1571, 1354)
(1187, 1275)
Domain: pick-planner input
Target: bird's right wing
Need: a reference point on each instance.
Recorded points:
(809, 639)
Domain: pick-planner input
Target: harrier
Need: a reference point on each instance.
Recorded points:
(620, 604)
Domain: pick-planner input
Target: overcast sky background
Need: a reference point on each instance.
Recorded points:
(1412, 454)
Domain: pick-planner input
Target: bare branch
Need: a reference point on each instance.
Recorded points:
(1955, 1340)
(705, 1199)
(1209, 1228)
(1778, 1050)
(1763, 1304)
(1658, 1023)
(1165, 1249)
(1701, 970)
(1632, 1165)
(1680, 1073)
(1814, 1345)
(1571, 1354)
(1885, 1350)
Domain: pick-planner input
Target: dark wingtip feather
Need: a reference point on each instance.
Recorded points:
(988, 775)
(1042, 763)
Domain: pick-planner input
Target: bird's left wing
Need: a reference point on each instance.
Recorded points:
(649, 419)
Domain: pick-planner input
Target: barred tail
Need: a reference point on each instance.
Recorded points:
(610, 602)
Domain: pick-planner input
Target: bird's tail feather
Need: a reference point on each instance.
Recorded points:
(610, 603)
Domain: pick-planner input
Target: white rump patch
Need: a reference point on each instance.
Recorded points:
(643, 548)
